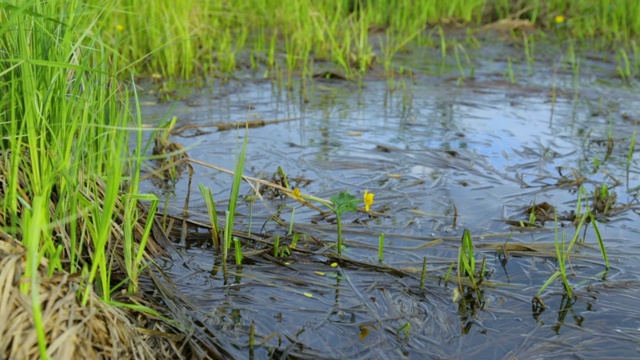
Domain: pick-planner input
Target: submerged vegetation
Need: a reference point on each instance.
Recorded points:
(73, 219)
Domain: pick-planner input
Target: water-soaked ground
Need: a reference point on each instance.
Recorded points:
(441, 155)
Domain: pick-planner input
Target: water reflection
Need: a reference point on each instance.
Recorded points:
(441, 159)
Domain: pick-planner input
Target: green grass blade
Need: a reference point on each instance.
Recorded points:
(213, 214)
(603, 250)
(550, 280)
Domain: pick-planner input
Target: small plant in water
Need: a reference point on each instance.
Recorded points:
(603, 199)
(467, 265)
(404, 330)
(381, 247)
(466, 260)
(339, 204)
(562, 256)
(562, 251)
(281, 250)
(343, 203)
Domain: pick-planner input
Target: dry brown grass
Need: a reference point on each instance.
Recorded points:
(94, 331)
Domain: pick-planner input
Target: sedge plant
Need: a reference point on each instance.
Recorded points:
(233, 202)
(561, 272)
(467, 264)
(213, 215)
(562, 251)
(582, 217)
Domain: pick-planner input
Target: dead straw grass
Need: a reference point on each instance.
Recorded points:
(95, 331)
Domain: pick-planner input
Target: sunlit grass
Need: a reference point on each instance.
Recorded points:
(65, 149)
(200, 37)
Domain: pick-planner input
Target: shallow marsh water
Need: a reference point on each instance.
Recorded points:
(442, 154)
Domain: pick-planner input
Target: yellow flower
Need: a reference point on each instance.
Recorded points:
(368, 200)
(296, 194)
(559, 19)
(120, 28)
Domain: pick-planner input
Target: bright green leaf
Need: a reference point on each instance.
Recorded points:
(344, 202)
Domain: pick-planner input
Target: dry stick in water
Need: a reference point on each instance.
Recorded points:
(232, 126)
(185, 210)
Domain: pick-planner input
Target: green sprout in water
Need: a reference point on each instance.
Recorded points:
(338, 204)
(467, 264)
(342, 203)
(405, 330)
(381, 247)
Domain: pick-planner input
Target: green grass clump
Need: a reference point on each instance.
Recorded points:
(209, 38)
(64, 151)
(202, 37)
(584, 216)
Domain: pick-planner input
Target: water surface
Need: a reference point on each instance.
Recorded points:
(442, 154)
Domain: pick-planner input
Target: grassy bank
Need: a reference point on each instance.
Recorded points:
(64, 164)
(212, 37)
(69, 199)
(65, 143)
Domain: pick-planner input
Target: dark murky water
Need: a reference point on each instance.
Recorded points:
(429, 148)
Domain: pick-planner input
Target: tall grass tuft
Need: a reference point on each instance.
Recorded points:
(65, 146)
(231, 210)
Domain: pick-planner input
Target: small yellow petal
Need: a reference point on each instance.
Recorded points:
(309, 295)
(559, 19)
(335, 264)
(456, 295)
(296, 194)
(119, 27)
(321, 273)
(364, 331)
(368, 200)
